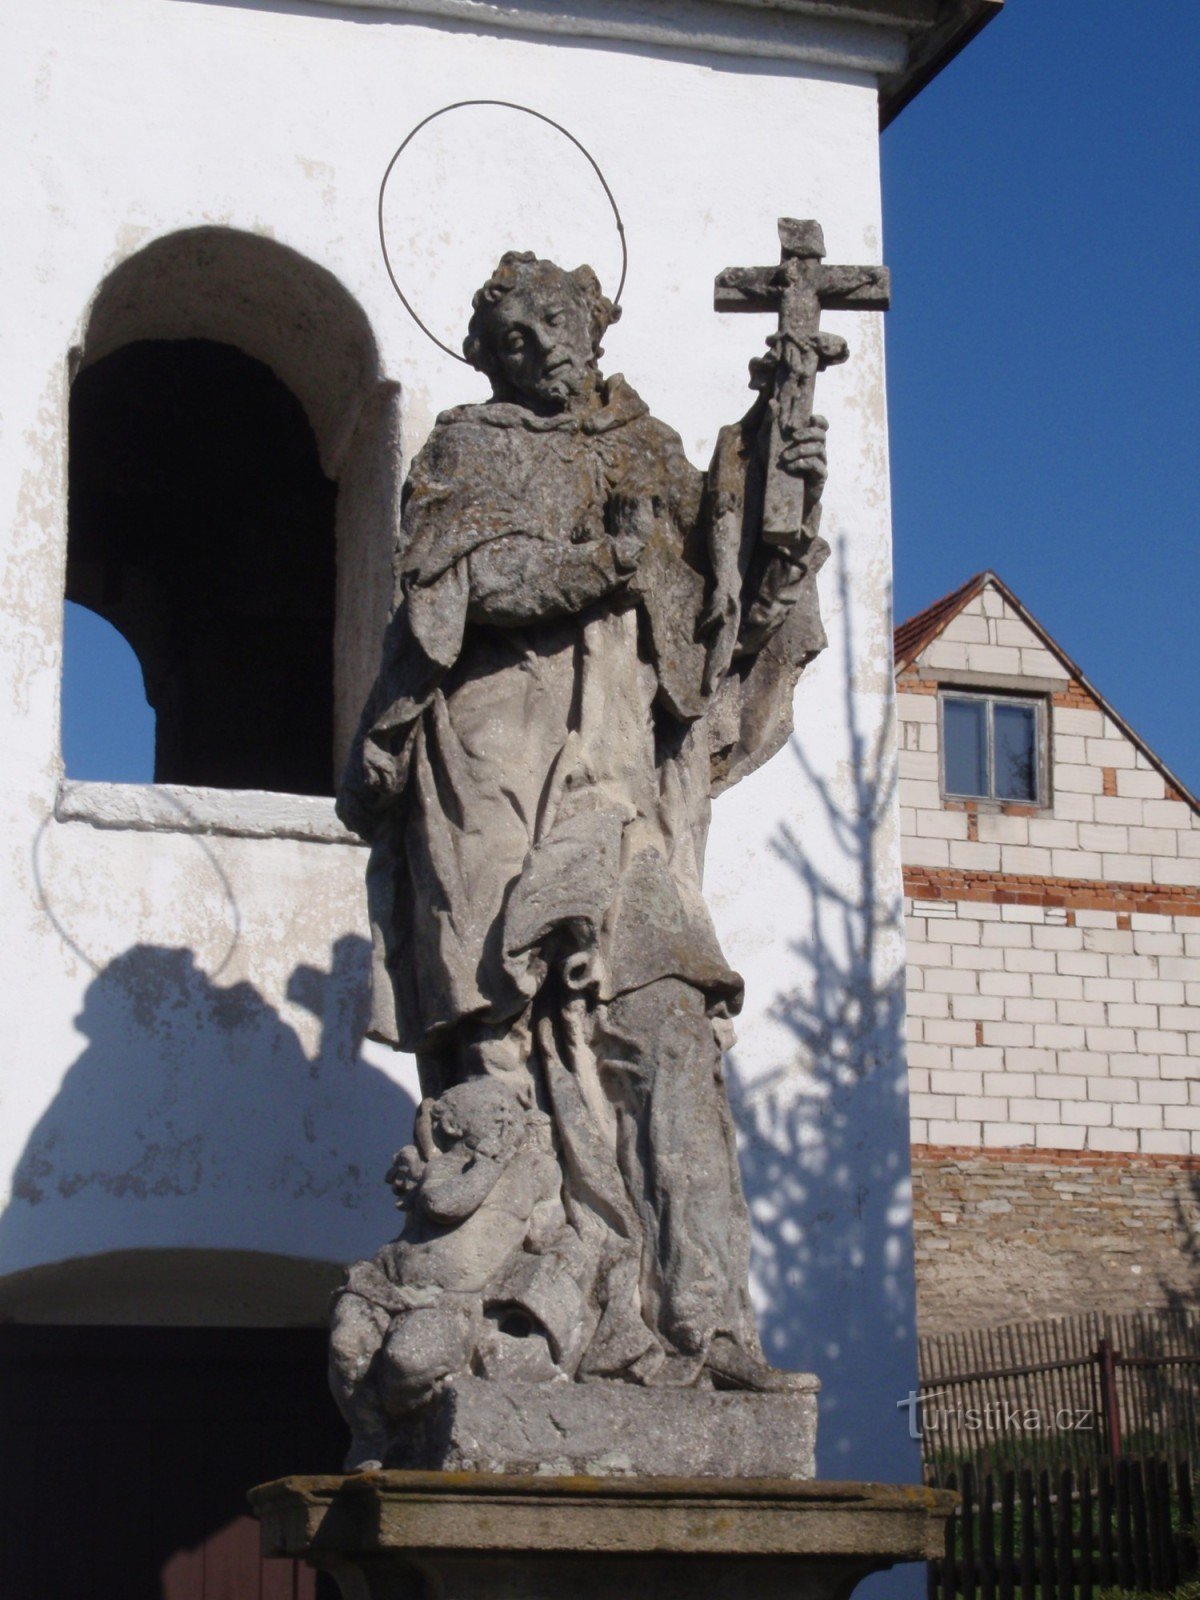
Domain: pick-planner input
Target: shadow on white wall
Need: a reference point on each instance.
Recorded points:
(825, 1137)
(192, 1091)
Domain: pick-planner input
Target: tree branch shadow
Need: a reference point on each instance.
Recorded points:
(825, 1135)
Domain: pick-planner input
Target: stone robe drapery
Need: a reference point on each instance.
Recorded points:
(535, 764)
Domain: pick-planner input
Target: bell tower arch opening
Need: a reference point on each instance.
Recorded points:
(233, 497)
(202, 527)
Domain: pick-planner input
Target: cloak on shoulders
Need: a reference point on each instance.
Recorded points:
(497, 472)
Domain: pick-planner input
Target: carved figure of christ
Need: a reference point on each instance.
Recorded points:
(797, 290)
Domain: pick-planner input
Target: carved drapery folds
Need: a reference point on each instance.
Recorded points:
(593, 638)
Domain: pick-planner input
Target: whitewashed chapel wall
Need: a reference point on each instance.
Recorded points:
(183, 1069)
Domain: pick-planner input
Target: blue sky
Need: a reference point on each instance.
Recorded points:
(107, 727)
(1041, 223)
(1041, 210)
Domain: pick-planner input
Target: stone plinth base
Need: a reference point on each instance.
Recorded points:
(478, 1536)
(612, 1430)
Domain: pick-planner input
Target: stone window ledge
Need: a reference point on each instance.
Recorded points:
(174, 808)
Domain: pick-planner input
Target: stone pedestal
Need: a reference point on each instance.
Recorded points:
(612, 1430)
(480, 1536)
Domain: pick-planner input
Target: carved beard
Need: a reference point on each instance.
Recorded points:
(565, 382)
(546, 392)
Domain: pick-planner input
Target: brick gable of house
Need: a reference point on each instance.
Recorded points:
(1053, 948)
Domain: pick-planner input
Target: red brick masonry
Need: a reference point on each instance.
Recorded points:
(1074, 695)
(1005, 889)
(1054, 1158)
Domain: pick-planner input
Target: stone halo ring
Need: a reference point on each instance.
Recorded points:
(508, 105)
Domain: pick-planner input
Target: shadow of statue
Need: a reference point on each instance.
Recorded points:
(825, 1159)
(202, 1142)
(200, 1101)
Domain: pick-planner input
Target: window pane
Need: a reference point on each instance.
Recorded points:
(1015, 735)
(965, 732)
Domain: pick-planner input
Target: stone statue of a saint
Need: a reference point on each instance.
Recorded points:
(592, 639)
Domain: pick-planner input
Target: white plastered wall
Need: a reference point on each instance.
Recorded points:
(182, 1065)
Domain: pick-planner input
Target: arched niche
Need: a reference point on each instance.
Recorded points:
(191, 1374)
(223, 288)
(173, 1288)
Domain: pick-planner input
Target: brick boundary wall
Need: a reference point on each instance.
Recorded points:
(1004, 1235)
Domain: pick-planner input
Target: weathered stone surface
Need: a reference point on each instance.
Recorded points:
(613, 1429)
(592, 638)
(798, 289)
(393, 1534)
(1011, 1235)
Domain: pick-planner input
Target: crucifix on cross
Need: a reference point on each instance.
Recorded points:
(798, 289)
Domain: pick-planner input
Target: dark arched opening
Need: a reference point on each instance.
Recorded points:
(202, 526)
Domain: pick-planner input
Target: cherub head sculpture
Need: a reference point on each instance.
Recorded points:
(483, 1115)
(535, 331)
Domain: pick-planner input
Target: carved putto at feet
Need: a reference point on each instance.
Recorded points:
(593, 639)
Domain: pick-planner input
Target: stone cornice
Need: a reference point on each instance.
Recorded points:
(901, 43)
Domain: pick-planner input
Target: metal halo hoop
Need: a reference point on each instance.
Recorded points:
(508, 105)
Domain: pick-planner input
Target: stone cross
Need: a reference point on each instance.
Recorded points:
(798, 288)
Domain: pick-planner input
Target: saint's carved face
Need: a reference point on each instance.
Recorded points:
(542, 341)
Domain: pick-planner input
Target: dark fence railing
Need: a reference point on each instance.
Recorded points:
(1068, 1535)
(1069, 1392)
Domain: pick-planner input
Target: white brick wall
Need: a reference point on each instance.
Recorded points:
(987, 636)
(1029, 1026)
(1098, 1073)
(1138, 835)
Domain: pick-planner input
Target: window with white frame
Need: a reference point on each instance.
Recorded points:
(992, 748)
